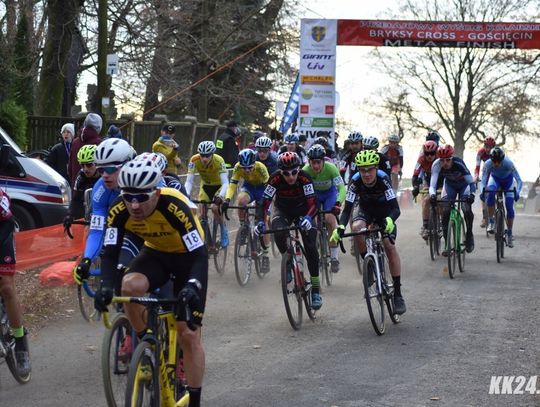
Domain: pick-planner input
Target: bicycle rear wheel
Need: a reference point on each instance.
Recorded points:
(143, 378)
(243, 263)
(451, 248)
(292, 296)
(499, 235)
(462, 250)
(114, 363)
(86, 293)
(220, 255)
(374, 298)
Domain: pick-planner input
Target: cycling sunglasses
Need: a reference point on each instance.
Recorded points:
(206, 155)
(263, 150)
(430, 153)
(139, 197)
(108, 170)
(290, 173)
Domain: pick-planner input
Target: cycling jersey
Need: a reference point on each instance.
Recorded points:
(171, 181)
(270, 162)
(327, 179)
(457, 177)
(256, 177)
(82, 183)
(503, 171)
(394, 155)
(384, 164)
(211, 174)
(481, 156)
(422, 170)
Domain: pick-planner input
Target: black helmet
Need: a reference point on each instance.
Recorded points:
(497, 154)
(434, 136)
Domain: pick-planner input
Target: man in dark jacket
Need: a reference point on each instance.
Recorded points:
(59, 155)
(89, 135)
(226, 144)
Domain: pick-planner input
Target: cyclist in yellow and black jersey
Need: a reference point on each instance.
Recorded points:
(173, 246)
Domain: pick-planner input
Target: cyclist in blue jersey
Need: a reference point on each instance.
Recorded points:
(265, 155)
(500, 172)
(457, 180)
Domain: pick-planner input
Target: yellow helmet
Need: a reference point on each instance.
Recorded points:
(86, 154)
(365, 158)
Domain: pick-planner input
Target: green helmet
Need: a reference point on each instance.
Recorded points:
(86, 154)
(365, 158)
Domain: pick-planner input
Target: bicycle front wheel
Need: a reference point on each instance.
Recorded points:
(451, 248)
(324, 258)
(143, 378)
(9, 342)
(85, 296)
(462, 250)
(374, 298)
(291, 294)
(220, 254)
(499, 235)
(243, 262)
(256, 254)
(434, 239)
(116, 351)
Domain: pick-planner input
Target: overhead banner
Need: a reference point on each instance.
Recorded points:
(317, 101)
(396, 33)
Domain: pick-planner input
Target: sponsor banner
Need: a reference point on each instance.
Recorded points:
(291, 111)
(316, 109)
(404, 33)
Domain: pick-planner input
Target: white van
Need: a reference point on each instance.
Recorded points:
(39, 195)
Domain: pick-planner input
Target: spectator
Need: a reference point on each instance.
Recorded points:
(227, 144)
(167, 146)
(114, 132)
(89, 135)
(59, 156)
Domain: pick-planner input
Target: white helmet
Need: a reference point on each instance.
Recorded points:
(206, 147)
(356, 136)
(140, 174)
(263, 142)
(393, 138)
(157, 158)
(371, 143)
(113, 151)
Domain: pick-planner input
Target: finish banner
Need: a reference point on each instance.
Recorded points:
(396, 33)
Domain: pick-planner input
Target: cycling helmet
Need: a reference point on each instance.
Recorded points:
(366, 158)
(430, 146)
(446, 151)
(263, 142)
(206, 147)
(246, 158)
(113, 151)
(371, 143)
(157, 158)
(433, 136)
(393, 138)
(323, 141)
(497, 154)
(139, 174)
(316, 152)
(302, 137)
(489, 142)
(86, 154)
(356, 136)
(292, 138)
(288, 160)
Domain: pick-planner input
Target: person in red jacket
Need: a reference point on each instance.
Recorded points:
(89, 135)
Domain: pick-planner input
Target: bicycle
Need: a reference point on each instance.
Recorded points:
(324, 248)
(152, 378)
(378, 292)
(455, 238)
(212, 233)
(435, 232)
(86, 291)
(500, 219)
(7, 346)
(247, 250)
(295, 284)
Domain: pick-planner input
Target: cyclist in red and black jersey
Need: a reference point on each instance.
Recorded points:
(394, 152)
(481, 157)
(295, 200)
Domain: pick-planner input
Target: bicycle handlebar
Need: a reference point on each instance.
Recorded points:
(361, 232)
(67, 228)
(246, 207)
(267, 232)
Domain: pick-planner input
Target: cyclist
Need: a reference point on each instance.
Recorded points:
(86, 179)
(173, 250)
(371, 198)
(482, 156)
(347, 167)
(330, 191)
(421, 177)
(265, 155)
(291, 144)
(167, 146)
(7, 285)
(394, 152)
(372, 143)
(302, 140)
(329, 154)
(255, 176)
(433, 136)
(500, 172)
(111, 154)
(214, 182)
(294, 200)
(457, 180)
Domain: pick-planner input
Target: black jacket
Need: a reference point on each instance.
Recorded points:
(227, 148)
(58, 159)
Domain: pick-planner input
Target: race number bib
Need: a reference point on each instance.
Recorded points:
(350, 197)
(308, 189)
(97, 222)
(4, 203)
(192, 240)
(111, 237)
(389, 194)
(269, 191)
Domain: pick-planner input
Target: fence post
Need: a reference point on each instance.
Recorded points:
(215, 122)
(193, 121)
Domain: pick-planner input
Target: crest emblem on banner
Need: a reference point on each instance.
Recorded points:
(318, 33)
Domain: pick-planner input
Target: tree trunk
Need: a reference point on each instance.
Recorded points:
(459, 143)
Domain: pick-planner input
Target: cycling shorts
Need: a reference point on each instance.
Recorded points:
(207, 192)
(327, 198)
(255, 192)
(369, 217)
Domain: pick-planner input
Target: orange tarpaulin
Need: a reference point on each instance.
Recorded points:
(37, 247)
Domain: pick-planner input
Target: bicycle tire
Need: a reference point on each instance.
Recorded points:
(275, 250)
(111, 367)
(306, 293)
(242, 258)
(256, 254)
(389, 293)
(142, 388)
(499, 235)
(220, 257)
(376, 308)
(325, 254)
(433, 236)
(291, 297)
(462, 250)
(9, 344)
(451, 249)
(86, 301)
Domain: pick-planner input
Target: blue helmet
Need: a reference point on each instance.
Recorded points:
(246, 158)
(292, 138)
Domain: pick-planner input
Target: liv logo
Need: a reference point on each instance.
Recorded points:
(513, 385)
